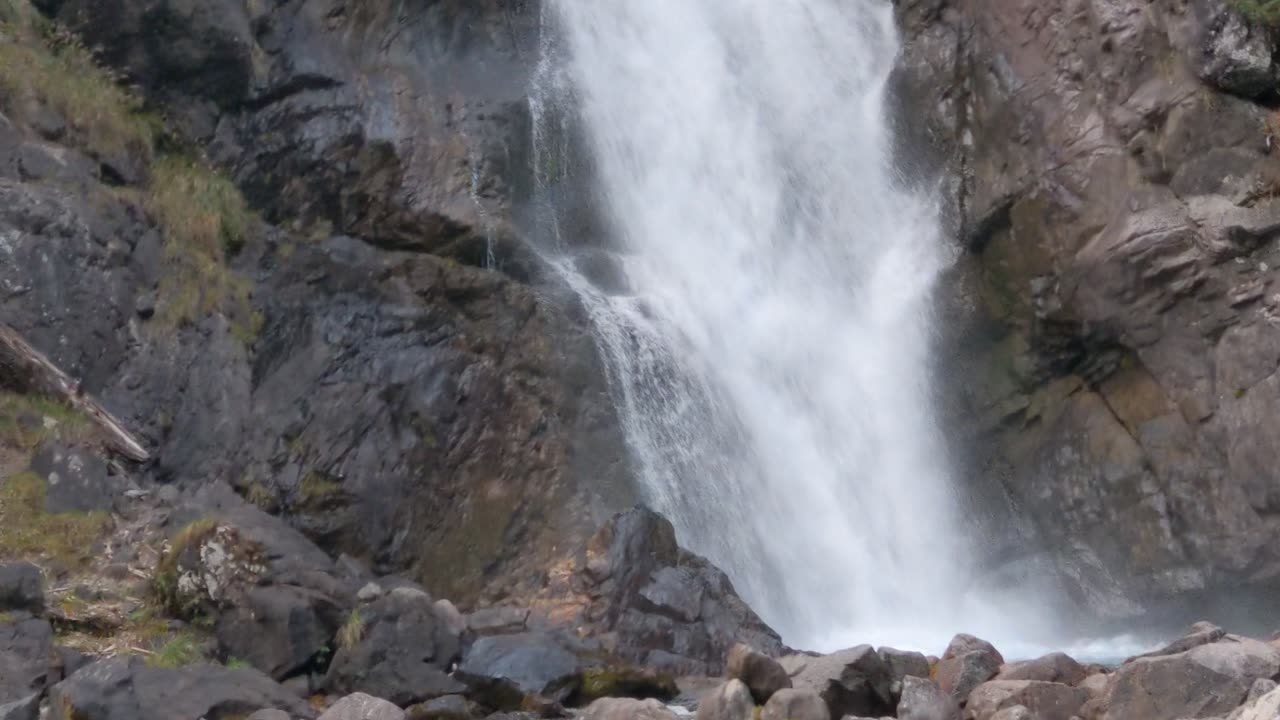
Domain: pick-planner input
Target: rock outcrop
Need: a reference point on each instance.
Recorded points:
(1112, 319)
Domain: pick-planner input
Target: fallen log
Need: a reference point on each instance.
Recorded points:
(28, 369)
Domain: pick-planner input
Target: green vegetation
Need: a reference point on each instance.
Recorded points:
(316, 489)
(182, 649)
(201, 214)
(204, 219)
(164, 585)
(237, 664)
(27, 531)
(42, 63)
(1262, 12)
(17, 435)
(352, 631)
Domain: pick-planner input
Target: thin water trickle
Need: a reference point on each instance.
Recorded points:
(772, 364)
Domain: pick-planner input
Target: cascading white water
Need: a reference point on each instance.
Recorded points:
(772, 363)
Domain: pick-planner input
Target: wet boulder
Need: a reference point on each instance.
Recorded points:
(27, 708)
(501, 670)
(795, 704)
(1045, 700)
(1207, 680)
(903, 664)
(967, 663)
(627, 709)
(1055, 668)
(759, 672)
(448, 707)
(922, 699)
(852, 682)
(730, 701)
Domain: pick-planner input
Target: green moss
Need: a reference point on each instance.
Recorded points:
(259, 495)
(237, 664)
(352, 631)
(597, 683)
(27, 531)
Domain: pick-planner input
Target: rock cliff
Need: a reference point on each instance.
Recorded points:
(1111, 178)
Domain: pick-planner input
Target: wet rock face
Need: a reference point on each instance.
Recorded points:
(1111, 319)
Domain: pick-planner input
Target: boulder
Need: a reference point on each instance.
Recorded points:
(1201, 633)
(1017, 712)
(1265, 707)
(124, 688)
(1096, 684)
(662, 606)
(26, 708)
(269, 714)
(1055, 667)
(76, 479)
(1207, 680)
(501, 670)
(922, 699)
(359, 706)
(967, 663)
(1260, 687)
(21, 588)
(795, 704)
(399, 648)
(730, 701)
(26, 657)
(759, 672)
(903, 664)
(449, 707)
(627, 709)
(852, 682)
(1045, 700)
(1236, 57)
(498, 620)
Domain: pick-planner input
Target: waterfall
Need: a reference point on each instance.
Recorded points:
(771, 350)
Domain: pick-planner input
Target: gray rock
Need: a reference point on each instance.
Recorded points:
(922, 699)
(852, 682)
(126, 689)
(270, 714)
(795, 704)
(498, 620)
(904, 663)
(967, 663)
(1237, 57)
(449, 707)
(1055, 667)
(730, 701)
(1202, 633)
(1266, 707)
(1046, 700)
(26, 657)
(399, 648)
(1017, 712)
(627, 709)
(1260, 687)
(359, 706)
(1207, 680)
(27, 708)
(761, 673)
(76, 479)
(21, 588)
(500, 670)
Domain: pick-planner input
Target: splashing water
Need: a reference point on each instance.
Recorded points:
(772, 365)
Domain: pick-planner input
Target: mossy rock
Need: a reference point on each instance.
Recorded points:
(626, 682)
(207, 566)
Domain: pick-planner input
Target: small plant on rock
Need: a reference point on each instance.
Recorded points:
(180, 651)
(352, 631)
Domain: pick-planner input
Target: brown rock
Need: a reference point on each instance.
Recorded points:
(761, 673)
